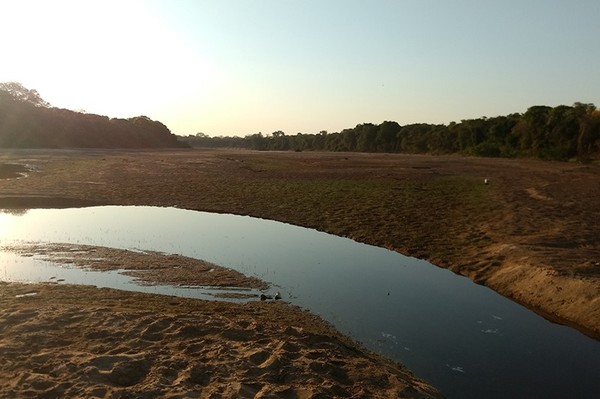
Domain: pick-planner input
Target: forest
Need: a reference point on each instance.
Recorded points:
(28, 121)
(553, 133)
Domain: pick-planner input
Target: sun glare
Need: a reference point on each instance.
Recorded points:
(6, 225)
(115, 58)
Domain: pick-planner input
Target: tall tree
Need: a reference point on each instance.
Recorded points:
(588, 140)
(20, 93)
(534, 128)
(386, 139)
(366, 134)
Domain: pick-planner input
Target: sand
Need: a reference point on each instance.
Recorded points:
(59, 340)
(64, 341)
(147, 267)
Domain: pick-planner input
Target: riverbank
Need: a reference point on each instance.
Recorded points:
(80, 341)
(530, 233)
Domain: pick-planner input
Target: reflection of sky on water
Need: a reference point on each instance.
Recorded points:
(462, 337)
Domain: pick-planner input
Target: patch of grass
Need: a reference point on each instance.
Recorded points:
(424, 218)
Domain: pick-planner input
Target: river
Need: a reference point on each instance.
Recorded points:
(464, 338)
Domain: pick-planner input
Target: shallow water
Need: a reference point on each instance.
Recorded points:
(463, 338)
(14, 267)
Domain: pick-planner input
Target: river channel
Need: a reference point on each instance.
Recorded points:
(463, 338)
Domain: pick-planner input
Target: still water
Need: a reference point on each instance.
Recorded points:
(463, 338)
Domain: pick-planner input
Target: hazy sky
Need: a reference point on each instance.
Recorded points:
(235, 67)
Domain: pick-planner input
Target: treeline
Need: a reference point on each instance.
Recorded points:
(28, 121)
(556, 133)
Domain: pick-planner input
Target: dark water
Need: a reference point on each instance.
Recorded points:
(463, 338)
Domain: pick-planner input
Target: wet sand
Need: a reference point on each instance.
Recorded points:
(147, 267)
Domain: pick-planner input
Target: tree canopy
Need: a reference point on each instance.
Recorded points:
(28, 121)
(18, 92)
(557, 133)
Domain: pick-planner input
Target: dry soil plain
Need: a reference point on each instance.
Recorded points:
(531, 233)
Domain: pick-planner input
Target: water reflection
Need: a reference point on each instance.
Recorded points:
(462, 337)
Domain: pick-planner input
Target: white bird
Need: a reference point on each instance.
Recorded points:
(485, 181)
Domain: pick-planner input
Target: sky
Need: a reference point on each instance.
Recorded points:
(239, 67)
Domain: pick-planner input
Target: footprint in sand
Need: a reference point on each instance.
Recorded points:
(118, 370)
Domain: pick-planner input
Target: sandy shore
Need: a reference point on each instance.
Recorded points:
(59, 341)
(147, 267)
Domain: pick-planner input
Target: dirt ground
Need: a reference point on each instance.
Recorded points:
(531, 233)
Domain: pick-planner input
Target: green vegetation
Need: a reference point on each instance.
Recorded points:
(557, 133)
(28, 121)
